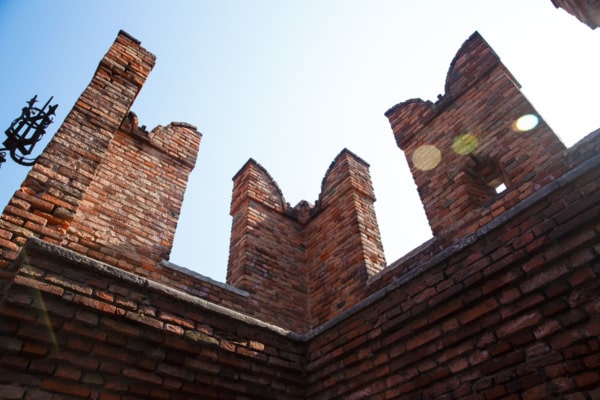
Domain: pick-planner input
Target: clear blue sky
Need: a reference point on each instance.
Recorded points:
(290, 84)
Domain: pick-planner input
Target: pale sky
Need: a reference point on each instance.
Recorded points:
(290, 84)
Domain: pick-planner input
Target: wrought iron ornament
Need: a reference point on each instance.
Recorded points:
(25, 131)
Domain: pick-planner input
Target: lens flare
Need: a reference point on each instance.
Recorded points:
(42, 310)
(426, 157)
(464, 144)
(526, 122)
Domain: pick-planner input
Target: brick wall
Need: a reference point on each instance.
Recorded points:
(468, 142)
(104, 187)
(129, 213)
(501, 303)
(267, 255)
(303, 265)
(587, 11)
(48, 199)
(343, 241)
(510, 311)
(74, 328)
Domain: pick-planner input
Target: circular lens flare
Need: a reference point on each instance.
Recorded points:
(464, 144)
(426, 157)
(526, 122)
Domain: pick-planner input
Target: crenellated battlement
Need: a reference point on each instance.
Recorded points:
(481, 135)
(501, 302)
(305, 260)
(105, 187)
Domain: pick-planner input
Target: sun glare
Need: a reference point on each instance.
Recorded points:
(526, 122)
(464, 144)
(426, 157)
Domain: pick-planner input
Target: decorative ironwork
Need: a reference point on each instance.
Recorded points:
(25, 131)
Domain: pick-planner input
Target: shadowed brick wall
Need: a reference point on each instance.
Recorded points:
(267, 256)
(512, 311)
(74, 328)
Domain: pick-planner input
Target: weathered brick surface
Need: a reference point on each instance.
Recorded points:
(52, 192)
(81, 340)
(103, 186)
(267, 252)
(306, 264)
(586, 11)
(501, 303)
(512, 327)
(462, 146)
(128, 215)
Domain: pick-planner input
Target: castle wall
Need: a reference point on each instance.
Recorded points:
(129, 213)
(72, 327)
(502, 302)
(510, 311)
(343, 241)
(48, 199)
(462, 147)
(301, 266)
(267, 252)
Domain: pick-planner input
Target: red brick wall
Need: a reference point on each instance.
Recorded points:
(510, 312)
(267, 253)
(502, 303)
(459, 147)
(304, 265)
(104, 187)
(128, 215)
(48, 199)
(74, 328)
(342, 239)
(587, 11)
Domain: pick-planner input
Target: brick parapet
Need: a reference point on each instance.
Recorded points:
(140, 338)
(504, 305)
(468, 142)
(130, 211)
(343, 243)
(347, 172)
(178, 140)
(46, 203)
(253, 181)
(307, 260)
(510, 309)
(437, 249)
(267, 252)
(104, 186)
